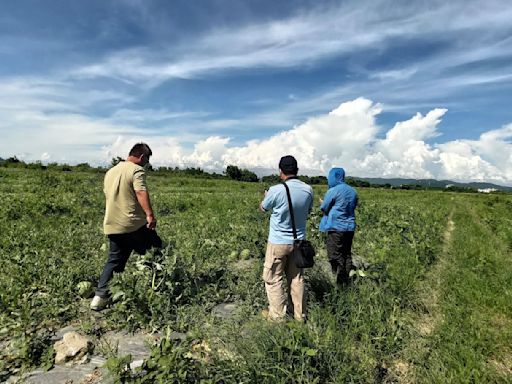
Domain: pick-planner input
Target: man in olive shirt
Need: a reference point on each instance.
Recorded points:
(129, 219)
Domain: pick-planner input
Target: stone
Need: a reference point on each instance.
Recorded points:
(91, 369)
(224, 310)
(72, 346)
(136, 345)
(97, 361)
(61, 332)
(4, 375)
(84, 360)
(87, 373)
(136, 364)
(177, 336)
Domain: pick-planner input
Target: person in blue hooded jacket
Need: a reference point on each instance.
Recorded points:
(339, 221)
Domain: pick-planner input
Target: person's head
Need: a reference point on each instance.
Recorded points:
(288, 166)
(336, 176)
(140, 154)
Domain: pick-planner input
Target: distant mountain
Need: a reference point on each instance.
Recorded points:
(431, 183)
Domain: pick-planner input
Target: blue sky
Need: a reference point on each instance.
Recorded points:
(382, 88)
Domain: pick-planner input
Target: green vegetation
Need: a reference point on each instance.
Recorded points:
(235, 173)
(430, 302)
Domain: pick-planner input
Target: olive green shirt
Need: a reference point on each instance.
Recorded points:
(123, 213)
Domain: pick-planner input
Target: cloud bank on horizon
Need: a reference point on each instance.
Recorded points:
(348, 136)
(414, 89)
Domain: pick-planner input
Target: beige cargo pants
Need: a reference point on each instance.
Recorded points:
(278, 265)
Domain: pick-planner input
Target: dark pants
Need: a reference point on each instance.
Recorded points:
(339, 252)
(121, 246)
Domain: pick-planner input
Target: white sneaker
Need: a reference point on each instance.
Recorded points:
(99, 303)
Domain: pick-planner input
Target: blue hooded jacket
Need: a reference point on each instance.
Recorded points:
(339, 204)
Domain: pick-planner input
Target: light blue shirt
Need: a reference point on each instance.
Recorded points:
(281, 231)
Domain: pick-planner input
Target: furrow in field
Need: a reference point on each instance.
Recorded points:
(424, 324)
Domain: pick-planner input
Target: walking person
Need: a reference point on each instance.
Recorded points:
(339, 221)
(279, 269)
(129, 219)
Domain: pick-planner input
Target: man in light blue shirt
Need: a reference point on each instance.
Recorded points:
(278, 258)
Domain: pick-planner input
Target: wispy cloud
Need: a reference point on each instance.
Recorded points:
(306, 38)
(46, 119)
(153, 115)
(51, 94)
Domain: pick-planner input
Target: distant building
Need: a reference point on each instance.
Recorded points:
(487, 190)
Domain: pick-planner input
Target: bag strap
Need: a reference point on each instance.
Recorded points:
(290, 206)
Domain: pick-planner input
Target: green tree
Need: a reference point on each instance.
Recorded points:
(249, 176)
(233, 172)
(116, 160)
(83, 167)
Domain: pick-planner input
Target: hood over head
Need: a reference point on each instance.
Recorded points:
(336, 176)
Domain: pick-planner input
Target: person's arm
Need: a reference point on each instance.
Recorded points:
(145, 203)
(311, 202)
(141, 191)
(327, 203)
(261, 204)
(268, 201)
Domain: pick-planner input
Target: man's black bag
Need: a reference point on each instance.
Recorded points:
(303, 250)
(303, 254)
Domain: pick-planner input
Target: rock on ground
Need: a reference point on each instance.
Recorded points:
(72, 346)
(91, 371)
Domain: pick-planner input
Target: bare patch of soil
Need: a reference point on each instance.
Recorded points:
(426, 325)
(400, 372)
(502, 365)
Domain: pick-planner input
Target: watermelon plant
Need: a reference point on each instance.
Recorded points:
(52, 251)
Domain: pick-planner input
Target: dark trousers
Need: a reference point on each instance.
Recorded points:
(120, 248)
(339, 252)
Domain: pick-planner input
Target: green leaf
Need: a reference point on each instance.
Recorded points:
(118, 296)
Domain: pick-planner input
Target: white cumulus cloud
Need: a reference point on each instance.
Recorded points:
(349, 136)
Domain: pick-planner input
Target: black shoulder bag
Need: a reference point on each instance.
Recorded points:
(303, 250)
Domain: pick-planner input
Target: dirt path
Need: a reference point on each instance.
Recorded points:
(425, 323)
(430, 296)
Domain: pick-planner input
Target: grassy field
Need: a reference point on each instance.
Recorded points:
(431, 301)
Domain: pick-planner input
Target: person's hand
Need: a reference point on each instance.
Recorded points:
(265, 192)
(321, 201)
(151, 221)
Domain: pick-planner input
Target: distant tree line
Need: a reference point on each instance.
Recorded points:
(312, 180)
(317, 180)
(14, 162)
(232, 172)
